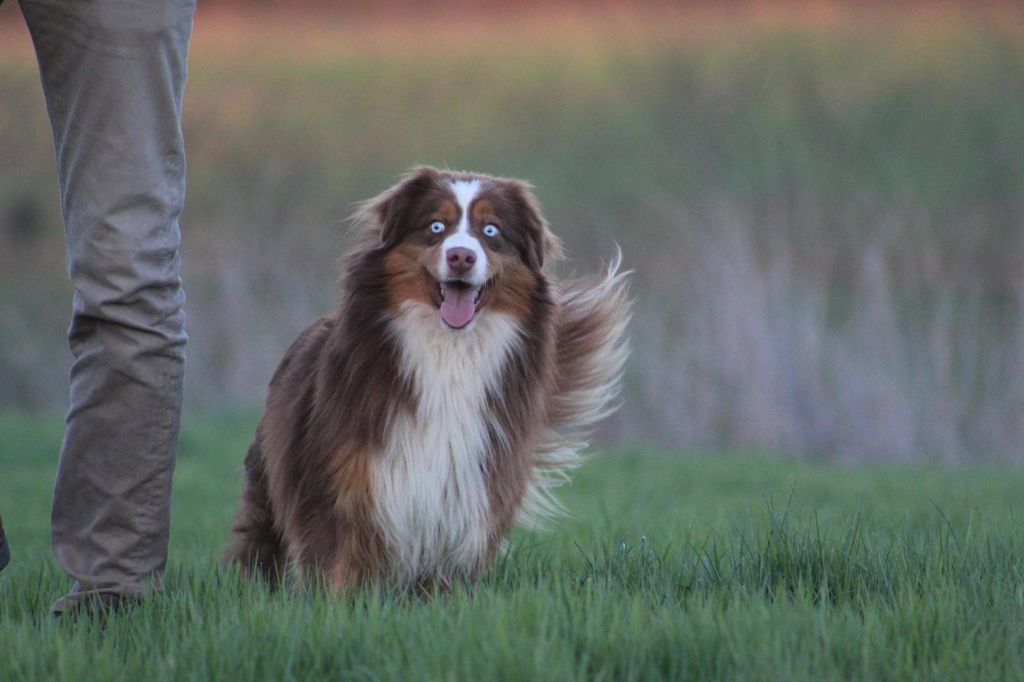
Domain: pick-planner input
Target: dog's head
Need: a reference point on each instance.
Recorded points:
(462, 242)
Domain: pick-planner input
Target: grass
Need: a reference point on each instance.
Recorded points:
(725, 567)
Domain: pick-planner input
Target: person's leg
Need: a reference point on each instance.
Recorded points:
(113, 74)
(5, 551)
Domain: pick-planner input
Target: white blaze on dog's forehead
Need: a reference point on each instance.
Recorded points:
(465, 191)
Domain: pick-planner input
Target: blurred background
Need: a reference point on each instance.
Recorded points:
(823, 202)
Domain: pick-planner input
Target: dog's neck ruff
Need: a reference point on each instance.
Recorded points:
(430, 489)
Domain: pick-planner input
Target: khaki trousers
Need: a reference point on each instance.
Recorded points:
(113, 74)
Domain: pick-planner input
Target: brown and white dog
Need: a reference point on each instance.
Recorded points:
(407, 432)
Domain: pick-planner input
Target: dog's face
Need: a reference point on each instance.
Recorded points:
(463, 243)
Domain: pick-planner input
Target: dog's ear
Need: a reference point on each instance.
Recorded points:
(393, 209)
(542, 246)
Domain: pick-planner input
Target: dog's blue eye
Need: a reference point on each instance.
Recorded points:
(491, 230)
(437, 227)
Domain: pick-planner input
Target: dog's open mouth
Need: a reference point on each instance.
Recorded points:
(459, 301)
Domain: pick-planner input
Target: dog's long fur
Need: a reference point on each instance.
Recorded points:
(396, 447)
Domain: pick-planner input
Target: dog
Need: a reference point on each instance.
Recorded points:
(405, 434)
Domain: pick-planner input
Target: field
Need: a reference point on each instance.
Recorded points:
(815, 473)
(725, 566)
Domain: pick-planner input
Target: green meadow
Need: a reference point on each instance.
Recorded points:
(720, 566)
(815, 471)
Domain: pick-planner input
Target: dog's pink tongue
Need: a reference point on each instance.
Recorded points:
(458, 307)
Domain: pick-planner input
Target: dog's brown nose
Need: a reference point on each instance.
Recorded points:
(460, 259)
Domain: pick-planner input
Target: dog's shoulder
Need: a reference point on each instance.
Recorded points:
(301, 357)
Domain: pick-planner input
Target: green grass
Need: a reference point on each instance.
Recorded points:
(727, 567)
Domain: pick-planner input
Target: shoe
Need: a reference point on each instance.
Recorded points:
(96, 606)
(5, 550)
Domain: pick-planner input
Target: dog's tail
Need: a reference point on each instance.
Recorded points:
(590, 350)
(256, 546)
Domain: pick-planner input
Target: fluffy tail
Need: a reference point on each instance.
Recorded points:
(256, 546)
(590, 350)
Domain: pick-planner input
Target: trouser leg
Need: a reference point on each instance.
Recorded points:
(113, 74)
(5, 552)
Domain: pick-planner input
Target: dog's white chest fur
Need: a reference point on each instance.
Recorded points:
(430, 487)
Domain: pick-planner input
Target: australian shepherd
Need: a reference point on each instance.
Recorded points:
(406, 433)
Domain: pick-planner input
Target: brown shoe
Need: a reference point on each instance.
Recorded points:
(95, 606)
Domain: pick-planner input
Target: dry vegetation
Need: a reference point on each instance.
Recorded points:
(824, 207)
